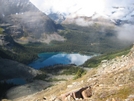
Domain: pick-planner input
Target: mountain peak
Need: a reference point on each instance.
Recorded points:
(9, 7)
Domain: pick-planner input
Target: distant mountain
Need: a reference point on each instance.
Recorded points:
(25, 22)
(88, 21)
(117, 12)
(72, 18)
(57, 17)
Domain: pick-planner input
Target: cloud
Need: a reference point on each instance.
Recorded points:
(85, 7)
(118, 8)
(126, 33)
(115, 9)
(77, 58)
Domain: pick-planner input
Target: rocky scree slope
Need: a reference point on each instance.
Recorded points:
(112, 80)
(26, 23)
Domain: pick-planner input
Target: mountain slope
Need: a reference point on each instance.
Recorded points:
(25, 22)
(10, 69)
(112, 80)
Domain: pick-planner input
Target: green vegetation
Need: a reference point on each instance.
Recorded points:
(89, 39)
(80, 73)
(20, 54)
(1, 30)
(42, 76)
(63, 70)
(71, 70)
(85, 40)
(55, 79)
(60, 70)
(79, 39)
(95, 61)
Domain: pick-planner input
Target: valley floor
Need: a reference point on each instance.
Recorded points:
(112, 80)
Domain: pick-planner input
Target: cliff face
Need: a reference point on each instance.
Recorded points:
(112, 80)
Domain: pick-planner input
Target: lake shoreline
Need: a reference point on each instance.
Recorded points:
(59, 58)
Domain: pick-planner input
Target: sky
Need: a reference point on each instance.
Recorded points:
(85, 7)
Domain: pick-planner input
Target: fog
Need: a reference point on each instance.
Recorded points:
(114, 8)
(126, 33)
(79, 7)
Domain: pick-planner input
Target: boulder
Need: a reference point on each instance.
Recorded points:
(87, 93)
(83, 93)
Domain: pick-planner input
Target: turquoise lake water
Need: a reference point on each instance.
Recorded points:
(53, 58)
(50, 59)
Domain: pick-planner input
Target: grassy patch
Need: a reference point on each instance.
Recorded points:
(80, 72)
(95, 61)
(42, 76)
(55, 79)
(64, 70)
(118, 94)
(123, 93)
(72, 71)
(61, 69)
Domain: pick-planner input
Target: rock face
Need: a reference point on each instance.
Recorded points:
(25, 20)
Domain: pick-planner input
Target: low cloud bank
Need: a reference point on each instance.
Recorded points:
(126, 33)
(116, 9)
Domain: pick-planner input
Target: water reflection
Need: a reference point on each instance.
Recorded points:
(49, 59)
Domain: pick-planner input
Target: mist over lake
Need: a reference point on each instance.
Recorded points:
(53, 58)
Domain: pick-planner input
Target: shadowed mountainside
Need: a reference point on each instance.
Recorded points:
(10, 69)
